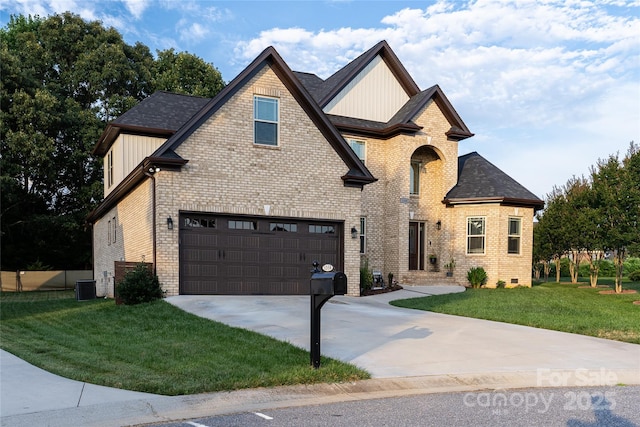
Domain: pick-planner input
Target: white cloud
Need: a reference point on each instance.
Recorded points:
(191, 32)
(136, 7)
(567, 70)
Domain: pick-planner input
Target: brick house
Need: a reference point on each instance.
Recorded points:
(240, 193)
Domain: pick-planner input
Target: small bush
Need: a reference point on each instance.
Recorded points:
(635, 276)
(477, 276)
(366, 276)
(501, 284)
(632, 264)
(139, 285)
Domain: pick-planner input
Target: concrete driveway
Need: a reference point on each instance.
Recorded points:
(394, 342)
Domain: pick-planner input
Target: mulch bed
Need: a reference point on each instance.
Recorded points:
(380, 291)
(636, 302)
(613, 292)
(588, 287)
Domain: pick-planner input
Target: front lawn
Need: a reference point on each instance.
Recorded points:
(561, 307)
(154, 347)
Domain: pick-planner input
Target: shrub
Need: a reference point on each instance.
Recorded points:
(477, 276)
(366, 276)
(139, 285)
(632, 264)
(635, 276)
(501, 284)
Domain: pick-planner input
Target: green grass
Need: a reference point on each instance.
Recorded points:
(560, 307)
(154, 347)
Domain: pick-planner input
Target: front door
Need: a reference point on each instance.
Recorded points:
(416, 246)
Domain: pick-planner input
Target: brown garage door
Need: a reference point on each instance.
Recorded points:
(237, 255)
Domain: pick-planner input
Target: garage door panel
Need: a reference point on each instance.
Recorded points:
(240, 255)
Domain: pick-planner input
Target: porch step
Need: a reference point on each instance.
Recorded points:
(429, 278)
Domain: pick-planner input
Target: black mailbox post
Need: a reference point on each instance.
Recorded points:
(324, 285)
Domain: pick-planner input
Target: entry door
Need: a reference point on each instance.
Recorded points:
(416, 246)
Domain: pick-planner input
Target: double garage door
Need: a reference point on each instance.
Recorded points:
(239, 255)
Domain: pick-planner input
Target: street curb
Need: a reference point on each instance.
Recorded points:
(175, 408)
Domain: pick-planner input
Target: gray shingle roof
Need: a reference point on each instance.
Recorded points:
(162, 110)
(481, 181)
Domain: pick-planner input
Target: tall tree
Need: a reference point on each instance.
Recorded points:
(185, 73)
(62, 80)
(617, 192)
(551, 229)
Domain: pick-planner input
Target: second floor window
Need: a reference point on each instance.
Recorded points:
(358, 147)
(265, 121)
(414, 185)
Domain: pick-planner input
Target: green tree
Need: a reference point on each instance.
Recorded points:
(186, 73)
(551, 233)
(617, 193)
(62, 80)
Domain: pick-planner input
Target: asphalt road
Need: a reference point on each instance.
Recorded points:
(617, 406)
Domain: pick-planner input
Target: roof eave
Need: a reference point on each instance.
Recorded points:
(357, 180)
(385, 133)
(458, 135)
(135, 177)
(113, 130)
(536, 204)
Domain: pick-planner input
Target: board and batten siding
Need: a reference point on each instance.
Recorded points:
(374, 94)
(128, 152)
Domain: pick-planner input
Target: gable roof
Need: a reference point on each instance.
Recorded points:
(329, 88)
(357, 175)
(479, 181)
(323, 91)
(160, 114)
(194, 114)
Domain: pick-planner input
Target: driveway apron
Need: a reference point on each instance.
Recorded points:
(389, 341)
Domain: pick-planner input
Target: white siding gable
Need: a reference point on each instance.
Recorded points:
(375, 94)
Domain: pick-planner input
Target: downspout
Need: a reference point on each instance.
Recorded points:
(151, 174)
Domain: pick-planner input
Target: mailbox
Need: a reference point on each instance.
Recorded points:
(332, 283)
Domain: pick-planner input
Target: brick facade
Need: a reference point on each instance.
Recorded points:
(227, 173)
(133, 240)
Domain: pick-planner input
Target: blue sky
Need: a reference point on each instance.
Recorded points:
(547, 86)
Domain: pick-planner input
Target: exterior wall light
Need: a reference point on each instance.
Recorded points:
(439, 224)
(354, 233)
(170, 223)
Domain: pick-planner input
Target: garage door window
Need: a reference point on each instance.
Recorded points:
(322, 229)
(277, 226)
(243, 225)
(200, 222)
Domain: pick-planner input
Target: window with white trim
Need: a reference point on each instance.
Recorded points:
(476, 235)
(515, 232)
(265, 121)
(359, 148)
(363, 235)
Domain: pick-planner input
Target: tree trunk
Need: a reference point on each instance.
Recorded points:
(618, 262)
(574, 264)
(595, 257)
(557, 261)
(547, 269)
